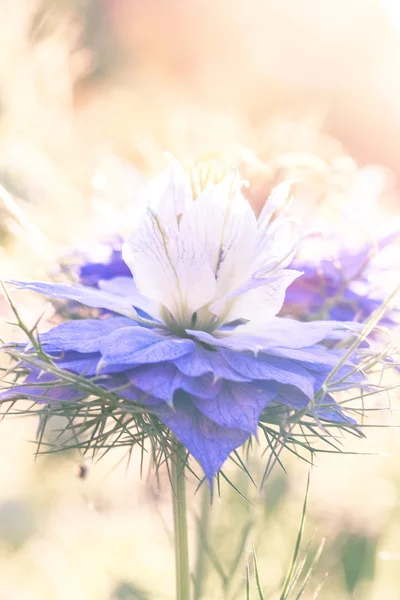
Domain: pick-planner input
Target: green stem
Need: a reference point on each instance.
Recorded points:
(182, 572)
(202, 533)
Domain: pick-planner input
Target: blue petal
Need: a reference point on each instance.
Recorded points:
(84, 364)
(164, 350)
(271, 368)
(125, 286)
(119, 286)
(202, 361)
(37, 389)
(238, 405)
(164, 379)
(209, 443)
(347, 377)
(329, 410)
(81, 364)
(205, 386)
(346, 312)
(315, 357)
(333, 414)
(292, 397)
(121, 384)
(85, 295)
(128, 346)
(157, 380)
(83, 335)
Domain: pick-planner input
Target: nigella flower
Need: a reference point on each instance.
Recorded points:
(91, 273)
(193, 335)
(349, 285)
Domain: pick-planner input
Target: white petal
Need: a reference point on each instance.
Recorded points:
(126, 287)
(149, 254)
(170, 194)
(195, 274)
(277, 333)
(169, 268)
(222, 223)
(287, 333)
(258, 299)
(231, 340)
(276, 200)
(274, 243)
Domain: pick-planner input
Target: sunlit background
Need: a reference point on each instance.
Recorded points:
(92, 95)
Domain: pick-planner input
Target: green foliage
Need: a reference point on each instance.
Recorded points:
(128, 591)
(357, 553)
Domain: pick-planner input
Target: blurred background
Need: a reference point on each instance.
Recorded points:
(92, 94)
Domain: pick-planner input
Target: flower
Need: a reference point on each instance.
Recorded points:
(90, 273)
(194, 335)
(348, 285)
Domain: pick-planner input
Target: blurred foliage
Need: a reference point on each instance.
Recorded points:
(17, 523)
(92, 31)
(126, 591)
(357, 554)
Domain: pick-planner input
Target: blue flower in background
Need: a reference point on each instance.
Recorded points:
(348, 286)
(194, 335)
(90, 273)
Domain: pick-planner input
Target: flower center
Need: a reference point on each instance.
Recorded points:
(201, 320)
(205, 174)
